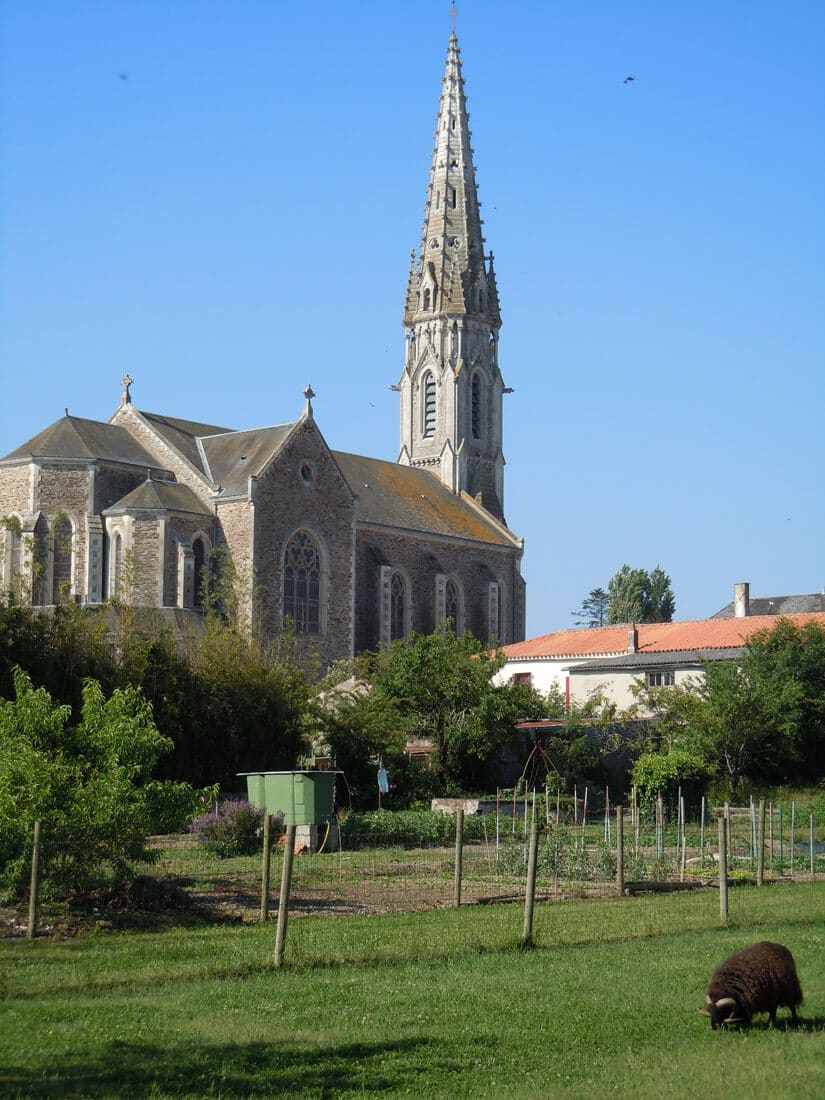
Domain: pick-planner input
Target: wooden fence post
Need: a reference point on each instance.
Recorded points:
(760, 844)
(459, 853)
(723, 869)
(283, 898)
(265, 866)
(619, 851)
(34, 887)
(530, 896)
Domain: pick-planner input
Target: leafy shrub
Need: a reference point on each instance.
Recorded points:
(88, 783)
(234, 829)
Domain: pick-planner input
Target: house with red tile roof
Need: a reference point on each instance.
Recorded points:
(615, 658)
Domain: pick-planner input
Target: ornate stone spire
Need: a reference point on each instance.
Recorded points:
(452, 221)
(451, 386)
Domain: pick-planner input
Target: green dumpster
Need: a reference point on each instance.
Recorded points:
(304, 797)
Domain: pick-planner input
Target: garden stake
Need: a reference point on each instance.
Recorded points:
(619, 852)
(283, 899)
(530, 896)
(760, 845)
(265, 867)
(723, 869)
(459, 852)
(34, 889)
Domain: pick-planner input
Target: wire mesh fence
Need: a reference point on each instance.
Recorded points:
(184, 882)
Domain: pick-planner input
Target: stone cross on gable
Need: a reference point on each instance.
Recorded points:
(309, 393)
(126, 397)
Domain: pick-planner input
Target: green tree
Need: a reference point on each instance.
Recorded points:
(640, 597)
(593, 611)
(759, 718)
(360, 727)
(785, 654)
(668, 772)
(89, 783)
(441, 687)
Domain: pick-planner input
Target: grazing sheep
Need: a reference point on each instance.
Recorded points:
(757, 979)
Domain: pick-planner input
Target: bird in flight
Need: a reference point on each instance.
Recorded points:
(628, 80)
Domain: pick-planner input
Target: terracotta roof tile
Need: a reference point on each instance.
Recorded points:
(652, 637)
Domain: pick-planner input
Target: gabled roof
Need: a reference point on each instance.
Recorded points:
(73, 438)
(777, 605)
(233, 457)
(398, 496)
(612, 641)
(183, 435)
(159, 496)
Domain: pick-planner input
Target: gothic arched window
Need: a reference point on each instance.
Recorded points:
(13, 556)
(40, 561)
(398, 607)
(61, 560)
(199, 555)
(452, 607)
(428, 424)
(302, 583)
(475, 406)
(116, 566)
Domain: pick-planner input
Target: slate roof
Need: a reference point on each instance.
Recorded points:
(777, 605)
(74, 438)
(183, 435)
(390, 495)
(398, 496)
(233, 456)
(630, 662)
(160, 496)
(607, 641)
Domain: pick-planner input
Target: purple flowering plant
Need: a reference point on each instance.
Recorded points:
(234, 828)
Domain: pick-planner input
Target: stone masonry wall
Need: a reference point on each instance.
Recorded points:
(168, 459)
(421, 559)
(304, 490)
(147, 559)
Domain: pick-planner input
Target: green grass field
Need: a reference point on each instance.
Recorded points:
(440, 1004)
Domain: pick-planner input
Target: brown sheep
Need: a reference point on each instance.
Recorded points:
(757, 979)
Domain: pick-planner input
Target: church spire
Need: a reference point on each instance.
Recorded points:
(451, 386)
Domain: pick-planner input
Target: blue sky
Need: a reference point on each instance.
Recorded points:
(220, 199)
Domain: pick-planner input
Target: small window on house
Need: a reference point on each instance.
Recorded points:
(661, 679)
(475, 406)
(522, 678)
(398, 607)
(429, 406)
(302, 584)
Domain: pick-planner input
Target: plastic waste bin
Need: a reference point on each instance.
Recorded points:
(304, 797)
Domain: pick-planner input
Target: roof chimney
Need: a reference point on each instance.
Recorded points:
(741, 600)
(632, 639)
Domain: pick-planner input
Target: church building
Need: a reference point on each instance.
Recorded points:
(348, 551)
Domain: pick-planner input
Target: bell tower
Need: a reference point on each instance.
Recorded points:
(451, 386)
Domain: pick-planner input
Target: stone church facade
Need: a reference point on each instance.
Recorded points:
(350, 551)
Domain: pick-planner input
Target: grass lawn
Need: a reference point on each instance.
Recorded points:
(436, 1004)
